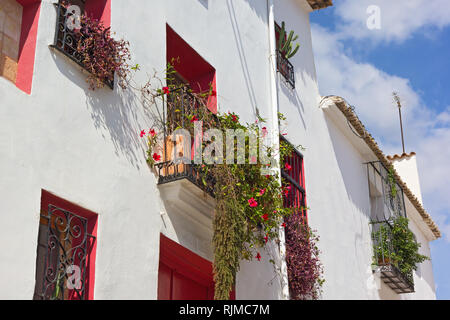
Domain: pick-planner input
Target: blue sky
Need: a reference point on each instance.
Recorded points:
(410, 55)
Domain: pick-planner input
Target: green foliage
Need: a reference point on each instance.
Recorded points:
(398, 246)
(391, 182)
(286, 44)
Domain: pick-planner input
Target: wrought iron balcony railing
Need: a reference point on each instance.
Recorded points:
(384, 259)
(66, 39)
(180, 105)
(285, 67)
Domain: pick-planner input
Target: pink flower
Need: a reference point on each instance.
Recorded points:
(142, 133)
(156, 157)
(287, 166)
(265, 216)
(262, 191)
(264, 132)
(252, 202)
(253, 159)
(258, 256)
(152, 132)
(284, 134)
(166, 90)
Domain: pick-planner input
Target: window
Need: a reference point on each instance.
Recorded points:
(191, 67)
(295, 179)
(18, 32)
(66, 40)
(65, 264)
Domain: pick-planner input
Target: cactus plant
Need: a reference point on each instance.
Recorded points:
(286, 44)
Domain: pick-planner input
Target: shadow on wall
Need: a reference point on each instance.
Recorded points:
(115, 111)
(294, 99)
(353, 175)
(242, 56)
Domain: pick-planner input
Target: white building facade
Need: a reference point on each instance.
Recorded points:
(66, 147)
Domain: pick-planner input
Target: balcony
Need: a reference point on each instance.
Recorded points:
(66, 40)
(285, 67)
(384, 263)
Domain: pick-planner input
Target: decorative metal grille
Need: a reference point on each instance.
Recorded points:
(391, 193)
(295, 198)
(67, 247)
(285, 67)
(66, 40)
(181, 104)
(383, 251)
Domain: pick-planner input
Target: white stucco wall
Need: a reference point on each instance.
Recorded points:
(84, 146)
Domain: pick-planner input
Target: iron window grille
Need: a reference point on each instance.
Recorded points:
(63, 254)
(181, 103)
(285, 67)
(294, 177)
(66, 40)
(388, 195)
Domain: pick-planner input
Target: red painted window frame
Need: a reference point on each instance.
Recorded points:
(27, 44)
(295, 178)
(92, 217)
(191, 66)
(187, 263)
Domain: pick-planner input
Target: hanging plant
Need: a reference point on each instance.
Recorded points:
(398, 245)
(305, 271)
(99, 53)
(391, 182)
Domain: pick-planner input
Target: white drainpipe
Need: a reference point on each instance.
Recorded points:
(276, 136)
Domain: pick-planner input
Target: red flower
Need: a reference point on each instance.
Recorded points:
(262, 191)
(194, 118)
(156, 157)
(234, 118)
(265, 216)
(266, 238)
(166, 90)
(284, 134)
(142, 133)
(287, 166)
(213, 93)
(252, 202)
(268, 176)
(283, 225)
(286, 190)
(152, 132)
(258, 256)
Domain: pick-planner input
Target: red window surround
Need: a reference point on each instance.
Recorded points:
(48, 198)
(191, 66)
(27, 45)
(100, 9)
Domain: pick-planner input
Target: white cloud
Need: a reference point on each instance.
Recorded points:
(399, 18)
(370, 90)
